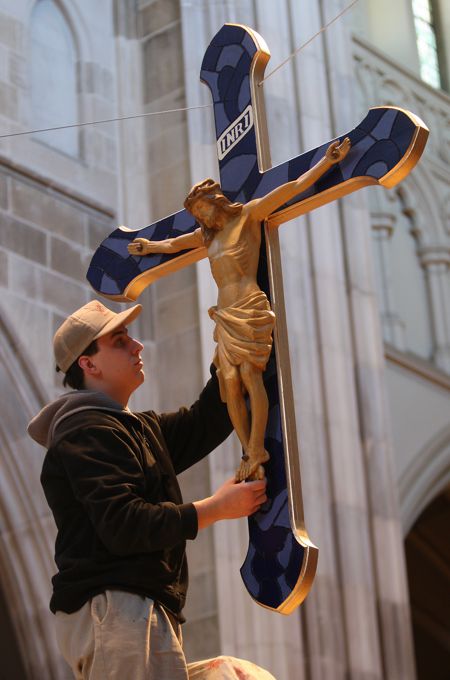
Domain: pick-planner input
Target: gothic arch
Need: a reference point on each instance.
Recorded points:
(427, 476)
(74, 18)
(427, 553)
(60, 74)
(421, 204)
(391, 92)
(26, 531)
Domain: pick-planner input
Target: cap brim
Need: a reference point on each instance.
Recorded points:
(122, 318)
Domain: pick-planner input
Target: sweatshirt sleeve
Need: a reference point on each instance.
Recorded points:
(107, 479)
(192, 433)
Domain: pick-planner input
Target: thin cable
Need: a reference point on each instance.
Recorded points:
(295, 52)
(188, 108)
(106, 120)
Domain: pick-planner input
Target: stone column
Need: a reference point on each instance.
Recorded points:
(27, 529)
(386, 553)
(383, 591)
(246, 630)
(393, 327)
(436, 262)
(134, 204)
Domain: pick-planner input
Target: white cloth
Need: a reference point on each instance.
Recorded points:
(118, 635)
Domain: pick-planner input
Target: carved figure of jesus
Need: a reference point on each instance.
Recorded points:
(231, 234)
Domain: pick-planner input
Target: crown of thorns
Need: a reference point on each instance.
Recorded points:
(206, 189)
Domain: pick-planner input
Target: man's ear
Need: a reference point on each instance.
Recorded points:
(88, 365)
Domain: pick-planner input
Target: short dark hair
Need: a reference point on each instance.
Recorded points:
(74, 377)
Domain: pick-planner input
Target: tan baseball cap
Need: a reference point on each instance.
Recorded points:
(85, 325)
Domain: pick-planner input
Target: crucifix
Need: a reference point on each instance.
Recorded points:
(281, 561)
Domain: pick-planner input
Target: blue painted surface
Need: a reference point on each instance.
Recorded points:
(274, 560)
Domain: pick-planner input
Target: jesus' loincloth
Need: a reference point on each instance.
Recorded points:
(243, 332)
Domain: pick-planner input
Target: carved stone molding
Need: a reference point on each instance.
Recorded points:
(393, 327)
(423, 198)
(434, 256)
(383, 222)
(379, 77)
(436, 262)
(425, 478)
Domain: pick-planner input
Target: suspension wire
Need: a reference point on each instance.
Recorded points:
(305, 44)
(105, 120)
(187, 108)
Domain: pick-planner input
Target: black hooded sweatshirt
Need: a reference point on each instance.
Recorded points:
(109, 477)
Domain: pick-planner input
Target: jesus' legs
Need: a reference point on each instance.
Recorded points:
(237, 409)
(259, 406)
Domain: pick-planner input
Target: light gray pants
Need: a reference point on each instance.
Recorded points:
(118, 635)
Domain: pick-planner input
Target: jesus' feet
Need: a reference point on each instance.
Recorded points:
(251, 466)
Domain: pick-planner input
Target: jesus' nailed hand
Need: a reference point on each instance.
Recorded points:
(231, 234)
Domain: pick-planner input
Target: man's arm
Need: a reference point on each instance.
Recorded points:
(261, 208)
(142, 246)
(192, 433)
(107, 479)
(103, 467)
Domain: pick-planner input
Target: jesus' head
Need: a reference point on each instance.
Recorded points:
(210, 207)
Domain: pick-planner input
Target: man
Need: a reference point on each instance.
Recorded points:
(231, 233)
(109, 477)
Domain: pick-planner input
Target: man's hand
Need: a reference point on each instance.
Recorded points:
(230, 501)
(336, 152)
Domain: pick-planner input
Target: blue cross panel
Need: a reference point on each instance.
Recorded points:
(379, 144)
(275, 558)
(384, 148)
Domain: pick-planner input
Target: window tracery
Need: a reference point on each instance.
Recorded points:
(426, 42)
(54, 99)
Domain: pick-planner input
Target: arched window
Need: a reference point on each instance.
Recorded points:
(409, 289)
(54, 98)
(402, 285)
(426, 42)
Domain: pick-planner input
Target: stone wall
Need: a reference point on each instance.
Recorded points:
(171, 312)
(411, 249)
(54, 209)
(46, 241)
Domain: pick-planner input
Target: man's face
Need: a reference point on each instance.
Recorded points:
(119, 362)
(205, 211)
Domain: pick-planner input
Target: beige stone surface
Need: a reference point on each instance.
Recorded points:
(169, 74)
(201, 638)
(155, 15)
(41, 208)
(24, 239)
(4, 184)
(68, 259)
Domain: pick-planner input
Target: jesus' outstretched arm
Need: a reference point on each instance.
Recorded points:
(142, 246)
(261, 208)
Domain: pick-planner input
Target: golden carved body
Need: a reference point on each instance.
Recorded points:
(233, 255)
(231, 233)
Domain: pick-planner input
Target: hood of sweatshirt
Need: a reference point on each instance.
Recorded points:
(43, 426)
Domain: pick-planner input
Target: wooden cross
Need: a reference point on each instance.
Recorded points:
(281, 561)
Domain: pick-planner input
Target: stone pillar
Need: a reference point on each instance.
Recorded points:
(392, 325)
(246, 630)
(379, 598)
(386, 554)
(27, 529)
(133, 200)
(436, 262)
